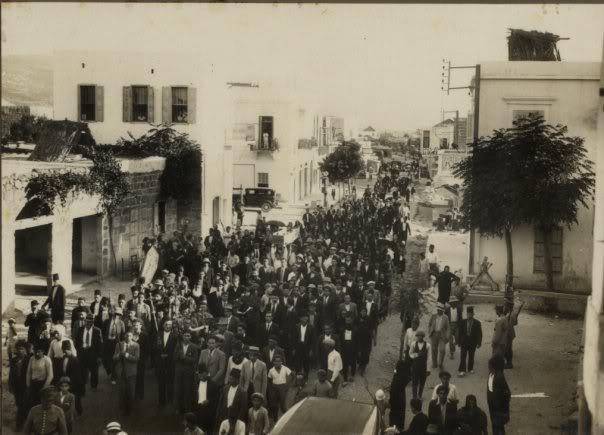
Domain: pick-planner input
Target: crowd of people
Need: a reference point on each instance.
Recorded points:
(233, 323)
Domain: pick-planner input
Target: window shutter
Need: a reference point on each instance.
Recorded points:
(150, 104)
(166, 105)
(99, 104)
(79, 113)
(191, 105)
(259, 131)
(127, 100)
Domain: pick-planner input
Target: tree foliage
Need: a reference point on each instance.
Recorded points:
(531, 173)
(344, 163)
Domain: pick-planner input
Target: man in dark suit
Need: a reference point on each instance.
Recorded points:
(76, 316)
(186, 358)
(214, 360)
(164, 363)
(442, 412)
(269, 328)
(96, 309)
(277, 309)
(70, 367)
(327, 306)
(89, 344)
(127, 353)
(235, 402)
(56, 300)
(206, 393)
(232, 321)
(303, 345)
(419, 422)
(269, 352)
(470, 339)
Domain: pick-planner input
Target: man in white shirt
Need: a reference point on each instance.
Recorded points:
(334, 365)
(278, 383)
(445, 377)
(432, 260)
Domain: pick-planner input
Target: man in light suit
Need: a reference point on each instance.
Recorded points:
(215, 361)
(259, 372)
(349, 308)
(500, 338)
(125, 360)
(439, 333)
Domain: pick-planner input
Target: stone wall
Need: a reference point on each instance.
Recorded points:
(136, 220)
(188, 213)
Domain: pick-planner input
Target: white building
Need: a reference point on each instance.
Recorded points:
(274, 141)
(369, 133)
(442, 135)
(563, 93)
(118, 93)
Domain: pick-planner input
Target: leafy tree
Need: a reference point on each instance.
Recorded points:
(558, 179)
(531, 173)
(344, 163)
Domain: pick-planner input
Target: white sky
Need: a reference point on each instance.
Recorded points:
(372, 64)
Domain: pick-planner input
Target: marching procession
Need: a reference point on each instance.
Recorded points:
(234, 323)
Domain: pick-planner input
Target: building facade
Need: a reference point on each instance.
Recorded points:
(120, 93)
(274, 141)
(591, 387)
(564, 93)
(74, 240)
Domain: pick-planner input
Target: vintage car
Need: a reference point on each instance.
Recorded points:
(261, 197)
(319, 415)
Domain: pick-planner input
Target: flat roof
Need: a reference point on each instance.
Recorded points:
(528, 70)
(325, 416)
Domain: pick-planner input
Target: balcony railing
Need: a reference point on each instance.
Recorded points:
(307, 143)
(271, 146)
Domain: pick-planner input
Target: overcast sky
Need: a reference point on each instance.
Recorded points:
(372, 64)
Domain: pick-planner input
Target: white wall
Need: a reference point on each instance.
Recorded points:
(114, 70)
(568, 93)
(292, 120)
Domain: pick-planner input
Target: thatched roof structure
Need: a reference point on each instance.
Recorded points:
(533, 46)
(56, 138)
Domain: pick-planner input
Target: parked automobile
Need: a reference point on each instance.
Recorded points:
(261, 197)
(318, 415)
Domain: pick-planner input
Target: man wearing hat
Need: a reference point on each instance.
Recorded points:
(258, 422)
(89, 344)
(46, 418)
(232, 399)
(70, 367)
(272, 350)
(113, 331)
(259, 379)
(334, 365)
(439, 334)
(113, 428)
(34, 322)
(470, 339)
(125, 358)
(56, 300)
(453, 313)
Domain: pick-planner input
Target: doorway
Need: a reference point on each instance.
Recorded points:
(215, 210)
(32, 251)
(85, 245)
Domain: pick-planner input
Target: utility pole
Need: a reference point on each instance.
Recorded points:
(476, 88)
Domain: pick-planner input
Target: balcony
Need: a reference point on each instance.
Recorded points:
(267, 146)
(307, 143)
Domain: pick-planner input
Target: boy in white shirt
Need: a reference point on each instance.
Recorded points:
(279, 378)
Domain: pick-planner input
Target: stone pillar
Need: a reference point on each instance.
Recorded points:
(8, 266)
(60, 258)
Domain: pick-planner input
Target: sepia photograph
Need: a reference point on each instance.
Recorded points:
(299, 219)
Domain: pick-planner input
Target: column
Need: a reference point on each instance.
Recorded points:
(8, 266)
(60, 251)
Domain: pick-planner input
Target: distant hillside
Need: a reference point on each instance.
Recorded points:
(27, 80)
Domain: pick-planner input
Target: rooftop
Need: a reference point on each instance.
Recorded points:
(530, 70)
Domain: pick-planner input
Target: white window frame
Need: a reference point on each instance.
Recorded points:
(529, 103)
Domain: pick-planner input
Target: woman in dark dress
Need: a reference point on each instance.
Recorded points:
(397, 394)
